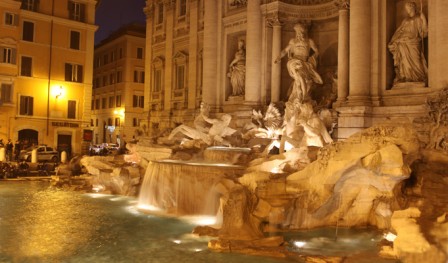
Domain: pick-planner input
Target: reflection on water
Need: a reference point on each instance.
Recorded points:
(38, 224)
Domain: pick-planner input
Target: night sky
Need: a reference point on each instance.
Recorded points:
(112, 14)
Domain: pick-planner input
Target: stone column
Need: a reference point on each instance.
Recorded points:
(441, 43)
(276, 68)
(210, 53)
(253, 51)
(169, 33)
(360, 48)
(149, 11)
(343, 51)
(193, 54)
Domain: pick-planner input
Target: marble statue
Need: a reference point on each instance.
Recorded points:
(407, 48)
(301, 66)
(316, 133)
(200, 129)
(210, 131)
(237, 70)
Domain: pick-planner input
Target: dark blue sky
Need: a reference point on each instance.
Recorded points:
(112, 14)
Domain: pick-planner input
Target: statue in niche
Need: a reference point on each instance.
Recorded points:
(316, 133)
(407, 48)
(237, 70)
(301, 66)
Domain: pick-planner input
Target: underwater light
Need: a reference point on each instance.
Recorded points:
(390, 237)
(299, 244)
(177, 241)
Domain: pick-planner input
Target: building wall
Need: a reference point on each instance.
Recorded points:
(126, 41)
(50, 51)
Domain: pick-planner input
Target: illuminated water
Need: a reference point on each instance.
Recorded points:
(38, 224)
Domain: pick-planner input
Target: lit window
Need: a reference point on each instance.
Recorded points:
(8, 55)
(6, 93)
(10, 19)
(26, 105)
(140, 53)
(73, 72)
(76, 11)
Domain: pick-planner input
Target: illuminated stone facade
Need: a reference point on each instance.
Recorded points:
(118, 83)
(197, 40)
(46, 71)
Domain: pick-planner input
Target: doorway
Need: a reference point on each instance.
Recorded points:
(65, 144)
(28, 137)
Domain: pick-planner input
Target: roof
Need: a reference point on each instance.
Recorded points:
(132, 29)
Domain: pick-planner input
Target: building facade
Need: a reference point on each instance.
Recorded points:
(191, 46)
(118, 85)
(46, 68)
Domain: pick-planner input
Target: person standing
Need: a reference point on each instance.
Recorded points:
(17, 150)
(9, 148)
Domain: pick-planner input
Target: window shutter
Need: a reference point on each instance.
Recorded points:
(30, 105)
(2, 54)
(22, 105)
(68, 72)
(82, 12)
(135, 101)
(71, 111)
(79, 74)
(13, 56)
(16, 20)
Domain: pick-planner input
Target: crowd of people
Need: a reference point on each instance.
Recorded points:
(12, 150)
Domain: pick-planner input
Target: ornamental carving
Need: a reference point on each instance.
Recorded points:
(301, 2)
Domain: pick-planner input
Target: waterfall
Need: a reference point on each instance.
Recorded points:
(184, 188)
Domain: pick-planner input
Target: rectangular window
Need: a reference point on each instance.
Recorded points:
(119, 76)
(91, 122)
(96, 122)
(182, 7)
(105, 59)
(105, 80)
(97, 104)
(92, 105)
(135, 122)
(140, 53)
(118, 101)
(112, 56)
(26, 105)
(73, 72)
(103, 103)
(6, 93)
(180, 77)
(120, 53)
(138, 101)
(28, 31)
(11, 19)
(117, 122)
(157, 80)
(141, 102)
(26, 66)
(159, 13)
(76, 11)
(8, 55)
(71, 110)
(31, 5)
(139, 76)
(111, 102)
(109, 121)
(75, 38)
(112, 78)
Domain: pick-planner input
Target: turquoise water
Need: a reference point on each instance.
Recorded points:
(40, 224)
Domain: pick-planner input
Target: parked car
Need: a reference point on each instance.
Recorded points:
(112, 147)
(44, 154)
(95, 149)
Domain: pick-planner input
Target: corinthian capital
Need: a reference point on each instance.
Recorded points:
(342, 4)
(169, 4)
